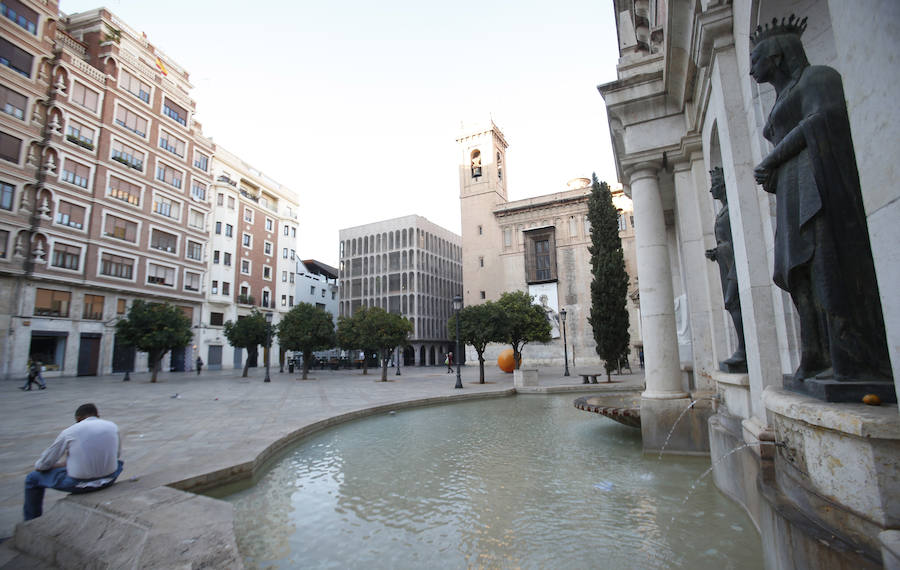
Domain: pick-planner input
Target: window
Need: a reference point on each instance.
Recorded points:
(284, 300)
(13, 103)
(284, 252)
(10, 147)
(131, 121)
(267, 247)
(196, 219)
(198, 190)
(127, 155)
(80, 134)
(507, 237)
(163, 241)
(20, 14)
(116, 266)
(201, 161)
(245, 267)
(248, 215)
(231, 202)
(226, 259)
(291, 277)
(292, 254)
(134, 86)
(125, 191)
(270, 225)
(482, 294)
(120, 228)
(216, 319)
(194, 250)
(70, 215)
(66, 256)
(166, 207)
(267, 273)
(229, 230)
(265, 299)
(160, 275)
(540, 255)
(174, 111)
(220, 199)
(285, 230)
(169, 175)
(312, 289)
(51, 303)
(7, 193)
(4, 244)
(121, 306)
(481, 262)
(284, 276)
(191, 281)
(480, 230)
(218, 228)
(226, 288)
(216, 257)
(14, 58)
(247, 240)
(93, 308)
(75, 173)
(171, 143)
(291, 300)
(293, 232)
(623, 225)
(87, 98)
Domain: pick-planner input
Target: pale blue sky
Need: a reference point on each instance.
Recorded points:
(356, 105)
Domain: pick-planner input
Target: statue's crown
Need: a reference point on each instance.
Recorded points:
(790, 25)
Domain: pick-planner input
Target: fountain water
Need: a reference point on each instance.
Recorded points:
(678, 419)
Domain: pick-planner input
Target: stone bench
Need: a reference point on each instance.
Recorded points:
(591, 377)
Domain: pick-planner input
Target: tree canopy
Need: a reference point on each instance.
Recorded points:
(248, 332)
(478, 326)
(522, 322)
(306, 328)
(154, 328)
(609, 287)
(385, 332)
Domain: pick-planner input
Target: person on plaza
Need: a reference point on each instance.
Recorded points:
(34, 376)
(85, 457)
(449, 362)
(199, 365)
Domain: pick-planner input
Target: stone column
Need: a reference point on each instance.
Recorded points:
(662, 370)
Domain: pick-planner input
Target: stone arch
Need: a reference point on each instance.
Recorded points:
(475, 163)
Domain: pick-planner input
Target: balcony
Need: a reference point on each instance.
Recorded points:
(246, 300)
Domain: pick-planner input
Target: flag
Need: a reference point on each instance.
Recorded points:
(161, 66)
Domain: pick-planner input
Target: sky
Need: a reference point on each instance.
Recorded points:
(356, 105)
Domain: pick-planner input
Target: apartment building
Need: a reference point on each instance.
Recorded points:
(105, 179)
(253, 254)
(408, 266)
(317, 284)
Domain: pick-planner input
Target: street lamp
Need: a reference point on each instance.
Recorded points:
(457, 305)
(562, 319)
(268, 343)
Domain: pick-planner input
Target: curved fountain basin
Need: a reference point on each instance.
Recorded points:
(623, 408)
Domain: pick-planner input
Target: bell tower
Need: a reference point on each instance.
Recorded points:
(482, 187)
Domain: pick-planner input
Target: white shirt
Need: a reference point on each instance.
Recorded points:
(93, 447)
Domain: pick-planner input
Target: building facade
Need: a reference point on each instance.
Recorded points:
(252, 258)
(407, 266)
(819, 486)
(105, 177)
(317, 284)
(539, 245)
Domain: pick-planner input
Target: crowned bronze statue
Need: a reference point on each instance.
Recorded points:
(723, 254)
(822, 253)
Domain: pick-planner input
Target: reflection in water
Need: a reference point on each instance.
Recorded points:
(527, 481)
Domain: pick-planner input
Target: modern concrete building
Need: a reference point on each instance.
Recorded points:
(253, 254)
(539, 245)
(317, 284)
(104, 177)
(407, 266)
(819, 479)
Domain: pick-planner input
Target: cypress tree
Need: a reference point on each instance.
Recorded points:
(609, 287)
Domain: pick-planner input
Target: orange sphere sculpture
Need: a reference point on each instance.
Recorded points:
(506, 361)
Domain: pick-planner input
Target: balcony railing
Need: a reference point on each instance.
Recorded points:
(245, 300)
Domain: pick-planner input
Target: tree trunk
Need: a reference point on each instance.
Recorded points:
(517, 356)
(154, 366)
(481, 367)
(306, 358)
(384, 362)
(246, 364)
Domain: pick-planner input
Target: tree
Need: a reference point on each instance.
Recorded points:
(609, 287)
(156, 329)
(384, 331)
(248, 332)
(478, 326)
(522, 322)
(306, 328)
(350, 335)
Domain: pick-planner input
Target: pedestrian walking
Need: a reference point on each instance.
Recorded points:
(199, 365)
(34, 376)
(449, 362)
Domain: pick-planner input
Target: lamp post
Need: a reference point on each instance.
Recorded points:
(457, 305)
(562, 319)
(268, 343)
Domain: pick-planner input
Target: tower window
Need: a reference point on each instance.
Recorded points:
(480, 230)
(476, 163)
(481, 262)
(482, 295)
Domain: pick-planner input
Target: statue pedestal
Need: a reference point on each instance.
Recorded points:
(733, 367)
(841, 391)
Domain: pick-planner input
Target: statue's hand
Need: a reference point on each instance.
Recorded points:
(711, 254)
(762, 173)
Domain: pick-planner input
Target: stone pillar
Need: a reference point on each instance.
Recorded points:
(661, 366)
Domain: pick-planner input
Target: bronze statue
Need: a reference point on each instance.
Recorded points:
(822, 253)
(723, 253)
